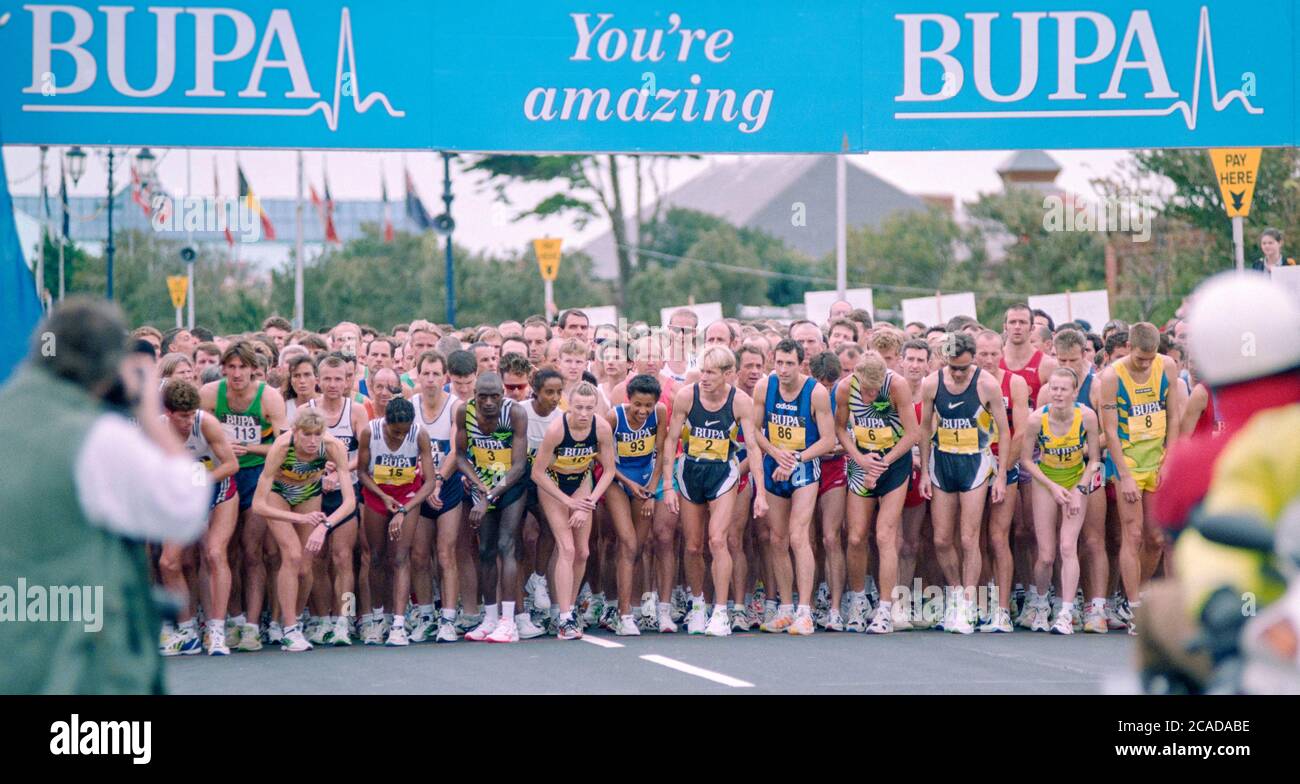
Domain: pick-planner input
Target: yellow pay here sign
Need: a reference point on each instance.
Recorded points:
(548, 257)
(1235, 169)
(177, 286)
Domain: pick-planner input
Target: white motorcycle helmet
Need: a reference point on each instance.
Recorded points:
(1242, 326)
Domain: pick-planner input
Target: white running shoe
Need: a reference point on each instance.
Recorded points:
(949, 610)
(609, 618)
(803, 624)
(834, 622)
(882, 622)
(1040, 621)
(1026, 617)
(339, 633)
(505, 632)
(1064, 623)
(770, 609)
(250, 637)
(901, 616)
(781, 621)
(681, 604)
(217, 642)
(649, 604)
(466, 622)
(627, 627)
(999, 623)
(482, 631)
(961, 623)
(446, 631)
(719, 625)
(316, 629)
(372, 633)
(1094, 621)
(424, 629)
(666, 624)
(292, 641)
(741, 619)
(537, 589)
(397, 637)
(696, 619)
(857, 614)
(526, 628)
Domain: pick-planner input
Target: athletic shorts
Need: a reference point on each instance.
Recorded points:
(332, 500)
(452, 494)
(246, 480)
(222, 492)
(897, 475)
(1014, 475)
(701, 481)
(640, 476)
(808, 473)
(569, 483)
(400, 493)
(914, 497)
(833, 473)
(294, 495)
(959, 473)
(1147, 481)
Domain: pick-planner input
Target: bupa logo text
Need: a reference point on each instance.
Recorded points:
(1087, 44)
(130, 738)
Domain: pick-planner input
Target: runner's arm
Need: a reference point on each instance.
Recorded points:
(605, 453)
(1091, 429)
(991, 395)
(929, 387)
(681, 405)
(228, 464)
(900, 397)
(431, 485)
(460, 449)
(1108, 395)
(273, 407)
(746, 409)
(339, 455)
(821, 411)
(1176, 403)
(518, 450)
(1195, 406)
(542, 461)
(363, 459)
(842, 430)
(1019, 415)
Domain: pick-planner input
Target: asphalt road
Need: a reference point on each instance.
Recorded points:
(917, 662)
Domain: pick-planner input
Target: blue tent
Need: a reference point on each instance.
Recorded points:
(20, 310)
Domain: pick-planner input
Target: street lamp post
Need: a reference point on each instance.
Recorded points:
(108, 249)
(145, 162)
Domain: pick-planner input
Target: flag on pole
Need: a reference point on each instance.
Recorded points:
(216, 200)
(388, 215)
(414, 207)
(331, 231)
(250, 199)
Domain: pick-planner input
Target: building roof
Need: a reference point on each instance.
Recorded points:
(764, 192)
(1027, 161)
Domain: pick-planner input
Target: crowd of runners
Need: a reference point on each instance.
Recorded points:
(491, 484)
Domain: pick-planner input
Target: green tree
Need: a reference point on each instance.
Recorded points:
(911, 254)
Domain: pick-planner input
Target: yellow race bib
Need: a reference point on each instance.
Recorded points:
(636, 448)
(394, 475)
(491, 459)
(708, 448)
(787, 436)
(959, 441)
(875, 439)
(1147, 427)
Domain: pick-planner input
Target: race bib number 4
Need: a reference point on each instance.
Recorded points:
(1146, 427)
(875, 439)
(787, 436)
(959, 440)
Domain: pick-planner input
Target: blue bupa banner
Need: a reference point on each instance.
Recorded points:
(655, 76)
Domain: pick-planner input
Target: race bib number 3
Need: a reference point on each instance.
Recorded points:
(491, 459)
(959, 441)
(708, 449)
(1147, 427)
(787, 436)
(875, 439)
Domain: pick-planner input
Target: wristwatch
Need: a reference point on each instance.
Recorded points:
(798, 457)
(402, 509)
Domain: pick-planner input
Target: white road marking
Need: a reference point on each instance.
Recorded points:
(600, 642)
(699, 672)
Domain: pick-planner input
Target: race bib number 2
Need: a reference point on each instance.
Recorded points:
(708, 448)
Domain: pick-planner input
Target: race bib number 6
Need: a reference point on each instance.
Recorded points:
(875, 439)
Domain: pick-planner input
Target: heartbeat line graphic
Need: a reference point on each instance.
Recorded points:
(330, 111)
(1190, 112)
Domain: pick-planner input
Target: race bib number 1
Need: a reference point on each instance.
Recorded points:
(959, 441)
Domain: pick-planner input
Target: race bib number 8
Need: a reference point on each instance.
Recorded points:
(959, 441)
(1147, 427)
(787, 436)
(875, 439)
(638, 448)
(708, 449)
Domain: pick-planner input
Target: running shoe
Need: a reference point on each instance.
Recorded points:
(250, 638)
(666, 623)
(719, 625)
(1026, 616)
(232, 633)
(742, 620)
(465, 622)
(339, 633)
(274, 633)
(681, 604)
(609, 618)
(316, 629)
(696, 619)
(1115, 619)
(769, 611)
(949, 610)
(526, 628)
(217, 642)
(1017, 601)
(446, 631)
(1064, 623)
(482, 631)
(537, 590)
(424, 629)
(999, 623)
(506, 632)
(185, 642)
(1132, 627)
(397, 637)
(834, 621)
(292, 641)
(1094, 621)
(627, 627)
(822, 599)
(372, 633)
(962, 614)
(1076, 617)
(901, 616)
(585, 599)
(1041, 619)
(569, 630)
(873, 592)
(802, 625)
(882, 622)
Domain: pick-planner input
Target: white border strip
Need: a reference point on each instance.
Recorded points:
(699, 672)
(600, 642)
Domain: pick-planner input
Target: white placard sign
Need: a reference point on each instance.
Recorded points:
(817, 304)
(937, 310)
(708, 313)
(1091, 306)
(604, 314)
